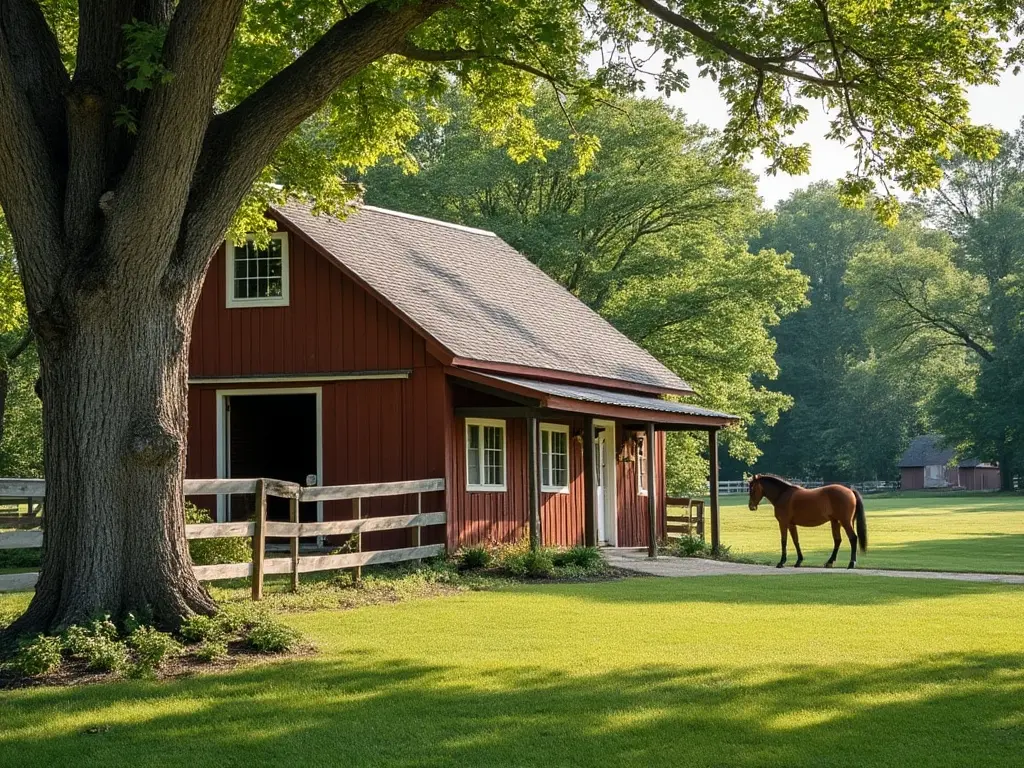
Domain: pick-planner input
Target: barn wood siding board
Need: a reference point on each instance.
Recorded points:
(632, 507)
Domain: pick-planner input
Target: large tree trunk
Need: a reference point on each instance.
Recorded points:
(114, 390)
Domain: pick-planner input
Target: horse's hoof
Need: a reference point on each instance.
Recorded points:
(851, 566)
(829, 563)
(797, 563)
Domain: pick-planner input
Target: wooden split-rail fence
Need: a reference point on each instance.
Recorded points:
(260, 528)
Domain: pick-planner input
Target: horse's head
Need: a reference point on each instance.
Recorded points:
(756, 488)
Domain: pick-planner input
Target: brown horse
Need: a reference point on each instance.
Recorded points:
(795, 506)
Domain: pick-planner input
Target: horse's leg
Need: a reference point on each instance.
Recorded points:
(852, 536)
(784, 531)
(796, 543)
(838, 540)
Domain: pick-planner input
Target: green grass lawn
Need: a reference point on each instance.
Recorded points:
(814, 670)
(982, 532)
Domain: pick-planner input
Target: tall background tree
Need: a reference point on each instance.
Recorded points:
(652, 234)
(133, 132)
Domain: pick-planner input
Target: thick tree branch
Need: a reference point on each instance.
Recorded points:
(240, 142)
(411, 51)
(154, 188)
(773, 64)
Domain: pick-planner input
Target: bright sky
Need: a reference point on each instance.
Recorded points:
(1000, 106)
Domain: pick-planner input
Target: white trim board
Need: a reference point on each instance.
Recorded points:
(224, 422)
(301, 378)
(611, 491)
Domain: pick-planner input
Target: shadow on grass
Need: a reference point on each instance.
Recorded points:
(793, 589)
(360, 709)
(980, 552)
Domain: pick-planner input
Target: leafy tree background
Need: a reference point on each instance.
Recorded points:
(652, 234)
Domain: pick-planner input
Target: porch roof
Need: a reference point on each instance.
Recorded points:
(557, 396)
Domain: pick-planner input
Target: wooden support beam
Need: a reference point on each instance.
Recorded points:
(259, 540)
(652, 494)
(716, 528)
(590, 524)
(357, 504)
(533, 472)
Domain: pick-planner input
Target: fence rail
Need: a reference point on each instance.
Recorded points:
(260, 528)
(864, 486)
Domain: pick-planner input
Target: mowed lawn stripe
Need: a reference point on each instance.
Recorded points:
(746, 671)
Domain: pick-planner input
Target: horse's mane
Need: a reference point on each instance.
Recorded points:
(776, 480)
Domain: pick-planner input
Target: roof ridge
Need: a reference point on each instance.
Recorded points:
(427, 219)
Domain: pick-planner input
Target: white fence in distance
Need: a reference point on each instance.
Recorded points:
(866, 486)
(260, 528)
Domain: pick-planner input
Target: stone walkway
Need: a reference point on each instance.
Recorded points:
(637, 560)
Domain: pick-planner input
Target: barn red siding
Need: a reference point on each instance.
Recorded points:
(632, 507)
(911, 478)
(373, 430)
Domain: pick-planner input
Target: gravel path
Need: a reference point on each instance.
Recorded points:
(637, 560)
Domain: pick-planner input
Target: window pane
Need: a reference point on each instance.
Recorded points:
(494, 461)
(641, 462)
(259, 273)
(545, 457)
(473, 454)
(559, 459)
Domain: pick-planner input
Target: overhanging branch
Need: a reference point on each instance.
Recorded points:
(411, 51)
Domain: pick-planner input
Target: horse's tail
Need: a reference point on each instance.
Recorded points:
(862, 523)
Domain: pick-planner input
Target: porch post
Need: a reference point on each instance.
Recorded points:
(716, 529)
(652, 494)
(533, 471)
(589, 484)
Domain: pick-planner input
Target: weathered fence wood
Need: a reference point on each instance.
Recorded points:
(259, 540)
(358, 559)
(222, 571)
(358, 572)
(219, 530)
(22, 488)
(293, 545)
(370, 490)
(18, 582)
(686, 522)
(21, 540)
(360, 525)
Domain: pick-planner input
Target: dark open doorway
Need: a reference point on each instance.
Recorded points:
(273, 436)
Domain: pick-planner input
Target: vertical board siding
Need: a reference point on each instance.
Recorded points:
(632, 507)
(330, 325)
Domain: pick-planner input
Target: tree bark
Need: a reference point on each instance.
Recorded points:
(114, 391)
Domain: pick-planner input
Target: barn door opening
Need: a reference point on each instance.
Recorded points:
(276, 436)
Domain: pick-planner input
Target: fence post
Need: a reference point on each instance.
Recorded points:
(259, 539)
(700, 519)
(418, 530)
(357, 572)
(293, 514)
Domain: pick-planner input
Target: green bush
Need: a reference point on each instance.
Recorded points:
(152, 647)
(39, 655)
(478, 556)
(269, 636)
(201, 629)
(211, 650)
(530, 563)
(97, 645)
(21, 558)
(214, 551)
(584, 558)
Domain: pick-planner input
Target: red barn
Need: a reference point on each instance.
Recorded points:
(392, 347)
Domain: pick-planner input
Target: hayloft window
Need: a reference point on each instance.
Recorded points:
(554, 458)
(485, 455)
(641, 464)
(258, 277)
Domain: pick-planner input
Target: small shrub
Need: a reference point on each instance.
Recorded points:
(152, 647)
(689, 546)
(237, 618)
(105, 655)
(214, 551)
(530, 564)
(211, 650)
(21, 558)
(37, 656)
(202, 629)
(584, 558)
(269, 636)
(472, 558)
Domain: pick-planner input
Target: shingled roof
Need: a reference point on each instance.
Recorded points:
(927, 451)
(476, 296)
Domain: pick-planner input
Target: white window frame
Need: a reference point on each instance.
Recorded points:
(641, 470)
(555, 429)
(271, 301)
(482, 487)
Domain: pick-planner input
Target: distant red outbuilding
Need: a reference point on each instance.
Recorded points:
(926, 464)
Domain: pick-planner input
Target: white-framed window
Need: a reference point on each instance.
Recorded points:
(641, 464)
(258, 277)
(485, 455)
(554, 458)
